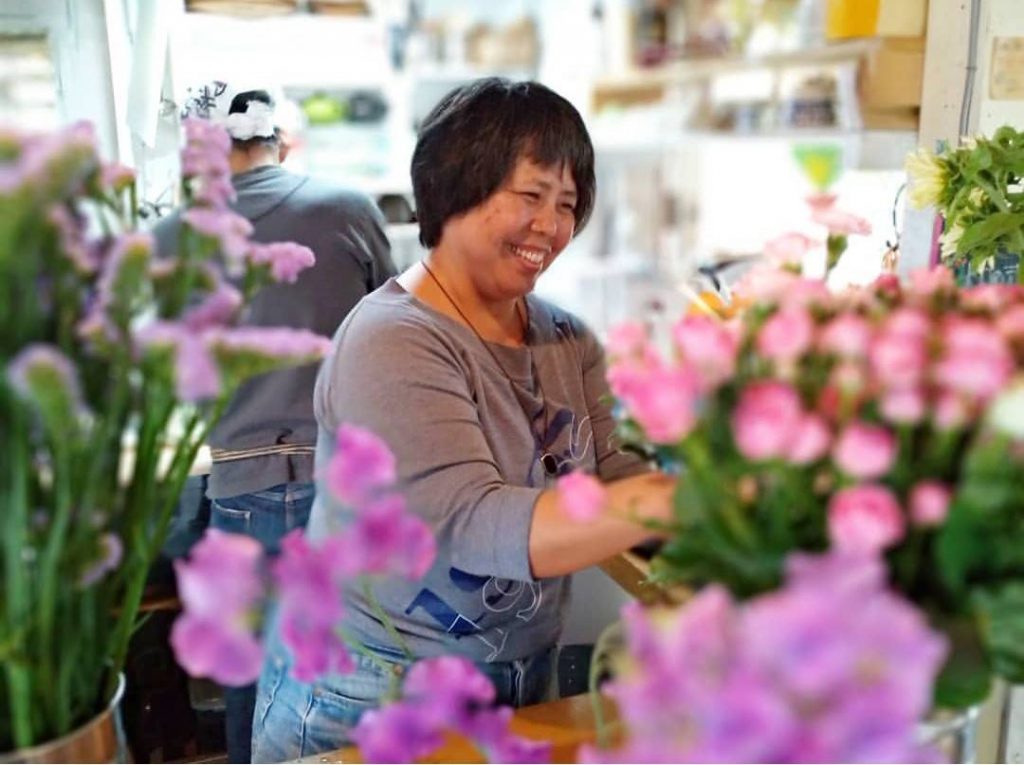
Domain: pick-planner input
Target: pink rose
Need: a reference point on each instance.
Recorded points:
(847, 335)
(787, 335)
(661, 399)
(951, 411)
(898, 360)
(1011, 323)
(929, 503)
(910, 322)
(811, 440)
(925, 282)
(864, 519)
(992, 298)
(581, 496)
(766, 419)
(709, 346)
(975, 361)
(864, 451)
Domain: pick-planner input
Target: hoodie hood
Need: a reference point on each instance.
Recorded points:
(262, 189)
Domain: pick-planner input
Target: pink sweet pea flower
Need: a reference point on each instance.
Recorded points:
(709, 346)
(847, 335)
(580, 496)
(929, 503)
(811, 440)
(385, 539)
(397, 732)
(788, 250)
(839, 222)
(362, 464)
(766, 420)
(787, 335)
(865, 451)
(206, 647)
(451, 687)
(864, 519)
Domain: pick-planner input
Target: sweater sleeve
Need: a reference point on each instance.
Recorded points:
(410, 384)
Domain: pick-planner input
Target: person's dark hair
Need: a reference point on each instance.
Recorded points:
(240, 103)
(470, 143)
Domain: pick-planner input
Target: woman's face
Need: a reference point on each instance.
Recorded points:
(510, 238)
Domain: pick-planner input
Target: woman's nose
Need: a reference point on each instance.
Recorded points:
(545, 221)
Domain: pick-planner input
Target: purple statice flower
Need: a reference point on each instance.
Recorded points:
(53, 166)
(110, 553)
(71, 239)
(273, 343)
(116, 177)
(384, 539)
(833, 667)
(220, 587)
(309, 581)
(362, 465)
(45, 375)
(204, 161)
(229, 229)
(286, 260)
(217, 309)
(124, 268)
(396, 733)
(196, 375)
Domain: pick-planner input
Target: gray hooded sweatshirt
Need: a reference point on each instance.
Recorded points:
(267, 434)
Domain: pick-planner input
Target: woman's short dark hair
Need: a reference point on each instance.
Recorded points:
(470, 143)
(240, 103)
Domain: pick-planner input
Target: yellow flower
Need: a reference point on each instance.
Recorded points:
(977, 197)
(928, 178)
(951, 238)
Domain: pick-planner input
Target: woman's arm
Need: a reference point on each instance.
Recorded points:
(560, 545)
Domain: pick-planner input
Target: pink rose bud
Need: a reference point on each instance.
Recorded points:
(929, 503)
(847, 335)
(865, 451)
(811, 440)
(709, 346)
(787, 335)
(864, 519)
(581, 496)
(766, 419)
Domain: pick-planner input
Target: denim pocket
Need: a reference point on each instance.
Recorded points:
(229, 519)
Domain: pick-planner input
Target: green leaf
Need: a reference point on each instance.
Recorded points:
(1001, 620)
(991, 228)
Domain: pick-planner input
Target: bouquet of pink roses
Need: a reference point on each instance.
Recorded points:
(884, 420)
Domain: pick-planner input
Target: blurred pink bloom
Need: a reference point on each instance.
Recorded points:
(206, 647)
(452, 687)
(627, 339)
(217, 309)
(864, 519)
(787, 335)
(116, 176)
(847, 335)
(788, 250)
(975, 360)
(219, 586)
(909, 322)
(661, 399)
(865, 451)
(898, 360)
(398, 732)
(903, 406)
(811, 440)
(110, 553)
(887, 286)
(992, 298)
(839, 222)
(766, 420)
(950, 412)
(361, 466)
(285, 259)
(580, 496)
(709, 346)
(272, 342)
(1011, 323)
(38, 367)
(71, 237)
(925, 282)
(820, 201)
(929, 503)
(384, 539)
(849, 377)
(196, 374)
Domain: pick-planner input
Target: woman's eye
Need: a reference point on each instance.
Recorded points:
(533, 196)
(567, 208)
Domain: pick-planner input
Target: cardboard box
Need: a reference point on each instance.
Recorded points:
(892, 75)
(871, 18)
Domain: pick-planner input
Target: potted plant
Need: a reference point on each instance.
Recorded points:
(113, 365)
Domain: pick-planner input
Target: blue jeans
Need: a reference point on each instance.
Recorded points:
(295, 719)
(266, 516)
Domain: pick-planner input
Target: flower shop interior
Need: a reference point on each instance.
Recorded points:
(849, 144)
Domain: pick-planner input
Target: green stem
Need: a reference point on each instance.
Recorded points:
(385, 620)
(394, 672)
(699, 469)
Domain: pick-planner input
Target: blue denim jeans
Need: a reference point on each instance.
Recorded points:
(266, 516)
(295, 719)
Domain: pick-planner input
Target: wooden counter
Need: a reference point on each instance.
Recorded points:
(566, 723)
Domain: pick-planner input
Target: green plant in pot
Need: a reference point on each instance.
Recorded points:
(113, 365)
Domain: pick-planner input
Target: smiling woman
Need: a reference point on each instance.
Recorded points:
(487, 395)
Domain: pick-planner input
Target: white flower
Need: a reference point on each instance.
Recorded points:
(951, 238)
(1006, 413)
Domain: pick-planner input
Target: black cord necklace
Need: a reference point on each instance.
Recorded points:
(547, 460)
